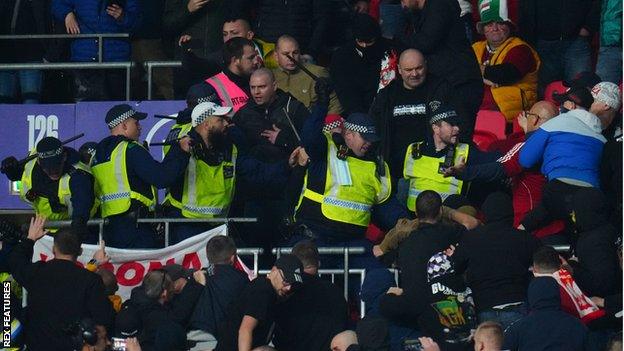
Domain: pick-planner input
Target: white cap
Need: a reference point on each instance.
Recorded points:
(609, 93)
(204, 110)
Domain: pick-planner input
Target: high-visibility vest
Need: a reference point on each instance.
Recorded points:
(176, 132)
(508, 98)
(349, 203)
(423, 174)
(208, 190)
(113, 186)
(230, 93)
(41, 204)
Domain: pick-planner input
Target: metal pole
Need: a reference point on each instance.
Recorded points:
(362, 303)
(128, 83)
(65, 36)
(346, 273)
(99, 39)
(255, 263)
(166, 234)
(101, 231)
(149, 80)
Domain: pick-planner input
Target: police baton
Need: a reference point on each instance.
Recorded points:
(302, 67)
(166, 142)
(165, 117)
(64, 142)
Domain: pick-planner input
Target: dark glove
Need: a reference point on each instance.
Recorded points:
(322, 88)
(11, 167)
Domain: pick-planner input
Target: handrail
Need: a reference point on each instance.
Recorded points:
(167, 220)
(100, 36)
(149, 65)
(73, 65)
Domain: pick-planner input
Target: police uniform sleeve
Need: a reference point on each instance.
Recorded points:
(312, 137)
(159, 174)
(82, 195)
(387, 214)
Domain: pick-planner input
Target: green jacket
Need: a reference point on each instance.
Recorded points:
(611, 23)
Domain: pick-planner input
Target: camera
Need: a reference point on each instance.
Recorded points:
(412, 345)
(81, 333)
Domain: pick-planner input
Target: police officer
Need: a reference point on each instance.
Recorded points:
(344, 182)
(426, 162)
(56, 184)
(127, 178)
(206, 189)
(197, 93)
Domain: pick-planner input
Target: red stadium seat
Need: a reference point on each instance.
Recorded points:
(551, 88)
(489, 127)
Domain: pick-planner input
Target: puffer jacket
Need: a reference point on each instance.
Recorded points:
(611, 23)
(92, 18)
(305, 20)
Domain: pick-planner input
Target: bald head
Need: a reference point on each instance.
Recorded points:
(263, 86)
(343, 340)
(540, 113)
(488, 337)
(287, 46)
(412, 68)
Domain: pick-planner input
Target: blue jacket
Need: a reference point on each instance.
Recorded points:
(546, 327)
(92, 18)
(569, 146)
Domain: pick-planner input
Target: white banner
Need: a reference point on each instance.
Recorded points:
(131, 265)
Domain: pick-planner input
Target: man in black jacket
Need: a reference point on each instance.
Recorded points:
(355, 68)
(224, 284)
(596, 269)
(272, 122)
(400, 109)
(547, 327)
(163, 314)
(439, 33)
(497, 258)
(60, 293)
(312, 317)
(561, 32)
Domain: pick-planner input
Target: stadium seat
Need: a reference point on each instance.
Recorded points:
(551, 88)
(489, 127)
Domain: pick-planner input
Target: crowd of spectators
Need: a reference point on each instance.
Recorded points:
(334, 123)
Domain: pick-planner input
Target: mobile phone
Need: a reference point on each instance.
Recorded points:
(412, 345)
(119, 344)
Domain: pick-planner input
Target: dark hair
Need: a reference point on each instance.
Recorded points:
(234, 18)
(109, 279)
(67, 242)
(428, 205)
(307, 253)
(546, 258)
(155, 282)
(233, 48)
(219, 249)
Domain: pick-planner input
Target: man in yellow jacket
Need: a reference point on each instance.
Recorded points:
(509, 65)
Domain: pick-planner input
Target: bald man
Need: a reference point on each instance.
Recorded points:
(343, 340)
(488, 337)
(400, 110)
(527, 184)
(296, 82)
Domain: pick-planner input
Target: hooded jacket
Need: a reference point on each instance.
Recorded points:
(569, 146)
(546, 327)
(496, 256)
(597, 272)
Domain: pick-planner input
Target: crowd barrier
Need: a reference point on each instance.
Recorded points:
(149, 67)
(167, 221)
(71, 65)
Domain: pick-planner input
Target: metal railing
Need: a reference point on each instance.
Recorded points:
(102, 222)
(127, 65)
(251, 251)
(99, 36)
(344, 251)
(149, 67)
